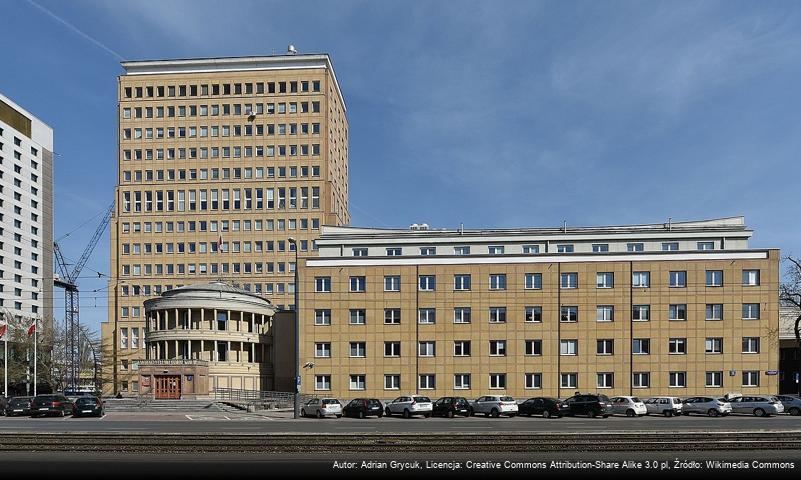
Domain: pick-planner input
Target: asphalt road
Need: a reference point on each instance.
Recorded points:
(219, 422)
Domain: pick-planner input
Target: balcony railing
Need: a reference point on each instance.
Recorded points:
(151, 362)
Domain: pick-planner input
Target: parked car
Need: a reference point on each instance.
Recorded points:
(18, 406)
(758, 405)
(628, 406)
(667, 406)
(791, 403)
(88, 406)
(706, 405)
(451, 406)
(363, 407)
(546, 406)
(321, 407)
(51, 404)
(495, 406)
(592, 405)
(409, 405)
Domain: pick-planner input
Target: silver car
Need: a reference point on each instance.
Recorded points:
(495, 406)
(712, 407)
(321, 407)
(410, 405)
(791, 403)
(667, 406)
(758, 405)
(628, 406)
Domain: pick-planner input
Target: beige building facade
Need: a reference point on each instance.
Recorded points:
(220, 162)
(673, 309)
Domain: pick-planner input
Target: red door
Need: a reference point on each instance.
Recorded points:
(167, 387)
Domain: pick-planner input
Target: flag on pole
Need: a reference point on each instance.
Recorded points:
(3, 330)
(32, 328)
(219, 244)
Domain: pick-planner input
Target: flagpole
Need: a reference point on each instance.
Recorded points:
(5, 363)
(35, 335)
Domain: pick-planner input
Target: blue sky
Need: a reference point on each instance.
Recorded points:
(494, 114)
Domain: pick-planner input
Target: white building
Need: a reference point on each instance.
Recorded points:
(26, 213)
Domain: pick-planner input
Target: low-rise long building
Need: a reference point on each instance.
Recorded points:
(677, 308)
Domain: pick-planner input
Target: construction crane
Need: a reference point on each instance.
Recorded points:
(68, 280)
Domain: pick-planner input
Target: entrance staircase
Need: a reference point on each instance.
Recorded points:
(166, 406)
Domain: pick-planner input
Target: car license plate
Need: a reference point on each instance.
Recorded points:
(44, 408)
(18, 410)
(86, 411)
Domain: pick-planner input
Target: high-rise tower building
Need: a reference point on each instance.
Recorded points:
(220, 162)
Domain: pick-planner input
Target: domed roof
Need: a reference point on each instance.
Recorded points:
(219, 287)
(211, 295)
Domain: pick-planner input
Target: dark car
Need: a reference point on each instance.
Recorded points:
(363, 407)
(592, 405)
(546, 406)
(87, 406)
(51, 404)
(18, 406)
(451, 406)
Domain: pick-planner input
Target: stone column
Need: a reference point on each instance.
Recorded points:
(216, 355)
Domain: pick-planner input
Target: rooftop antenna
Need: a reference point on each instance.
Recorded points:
(564, 226)
(670, 223)
(461, 228)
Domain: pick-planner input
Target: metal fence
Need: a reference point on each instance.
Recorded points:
(253, 397)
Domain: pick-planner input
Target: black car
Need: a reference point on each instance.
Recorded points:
(451, 406)
(87, 406)
(546, 406)
(363, 407)
(18, 406)
(51, 404)
(592, 405)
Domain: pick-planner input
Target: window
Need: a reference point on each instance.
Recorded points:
(677, 346)
(568, 347)
(568, 314)
(392, 283)
(533, 347)
(605, 347)
(566, 248)
(751, 379)
(641, 346)
(461, 348)
(322, 284)
(322, 317)
(750, 277)
(531, 249)
(677, 379)
(358, 316)
(461, 250)
(322, 350)
(427, 316)
(392, 316)
(714, 379)
(461, 282)
(568, 380)
(497, 380)
(461, 315)
(427, 381)
(497, 348)
(497, 314)
(427, 349)
(641, 279)
(392, 349)
(750, 344)
(533, 314)
(357, 382)
(428, 251)
(605, 280)
(394, 252)
(706, 245)
(713, 345)
(495, 250)
(359, 252)
(677, 279)
(641, 313)
(322, 382)
(533, 281)
(714, 311)
(750, 311)
(641, 380)
(427, 283)
(461, 381)
(600, 247)
(358, 349)
(357, 284)
(606, 380)
(670, 246)
(714, 278)
(605, 313)
(635, 247)
(677, 311)
(497, 282)
(533, 381)
(569, 280)
(123, 338)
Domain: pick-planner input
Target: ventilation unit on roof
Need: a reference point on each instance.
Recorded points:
(291, 50)
(414, 227)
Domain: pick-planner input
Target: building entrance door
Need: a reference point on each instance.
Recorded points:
(167, 387)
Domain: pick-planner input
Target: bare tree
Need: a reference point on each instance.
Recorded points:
(791, 292)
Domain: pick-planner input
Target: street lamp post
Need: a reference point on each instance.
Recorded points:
(294, 242)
